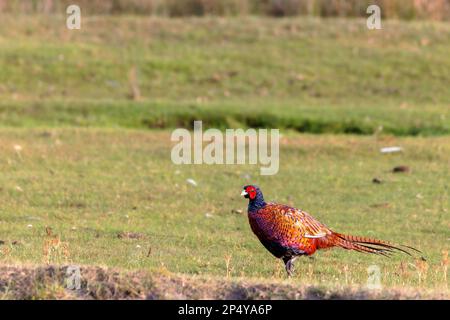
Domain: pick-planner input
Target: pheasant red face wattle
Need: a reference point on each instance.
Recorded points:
(251, 191)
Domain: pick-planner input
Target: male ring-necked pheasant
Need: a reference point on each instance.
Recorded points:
(289, 232)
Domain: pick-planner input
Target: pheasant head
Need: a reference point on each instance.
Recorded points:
(255, 197)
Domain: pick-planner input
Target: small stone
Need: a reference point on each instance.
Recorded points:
(237, 211)
(390, 149)
(191, 182)
(399, 169)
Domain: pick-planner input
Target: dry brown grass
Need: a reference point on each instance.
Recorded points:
(48, 282)
(404, 9)
(55, 250)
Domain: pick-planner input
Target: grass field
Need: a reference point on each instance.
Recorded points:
(91, 186)
(85, 123)
(303, 74)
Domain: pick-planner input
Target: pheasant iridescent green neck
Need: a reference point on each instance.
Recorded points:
(256, 203)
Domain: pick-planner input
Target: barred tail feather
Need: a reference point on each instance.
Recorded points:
(369, 245)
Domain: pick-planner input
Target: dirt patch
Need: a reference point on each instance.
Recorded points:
(399, 169)
(130, 235)
(54, 282)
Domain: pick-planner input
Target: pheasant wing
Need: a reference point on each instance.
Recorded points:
(291, 227)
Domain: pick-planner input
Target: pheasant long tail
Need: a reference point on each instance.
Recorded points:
(363, 244)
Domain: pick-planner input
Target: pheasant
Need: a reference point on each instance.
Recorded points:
(289, 232)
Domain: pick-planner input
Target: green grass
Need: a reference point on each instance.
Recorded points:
(90, 185)
(331, 76)
(430, 120)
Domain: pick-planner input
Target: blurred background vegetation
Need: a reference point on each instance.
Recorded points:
(399, 9)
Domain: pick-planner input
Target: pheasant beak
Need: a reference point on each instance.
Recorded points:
(244, 193)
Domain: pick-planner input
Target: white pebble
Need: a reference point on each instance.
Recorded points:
(191, 182)
(390, 149)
